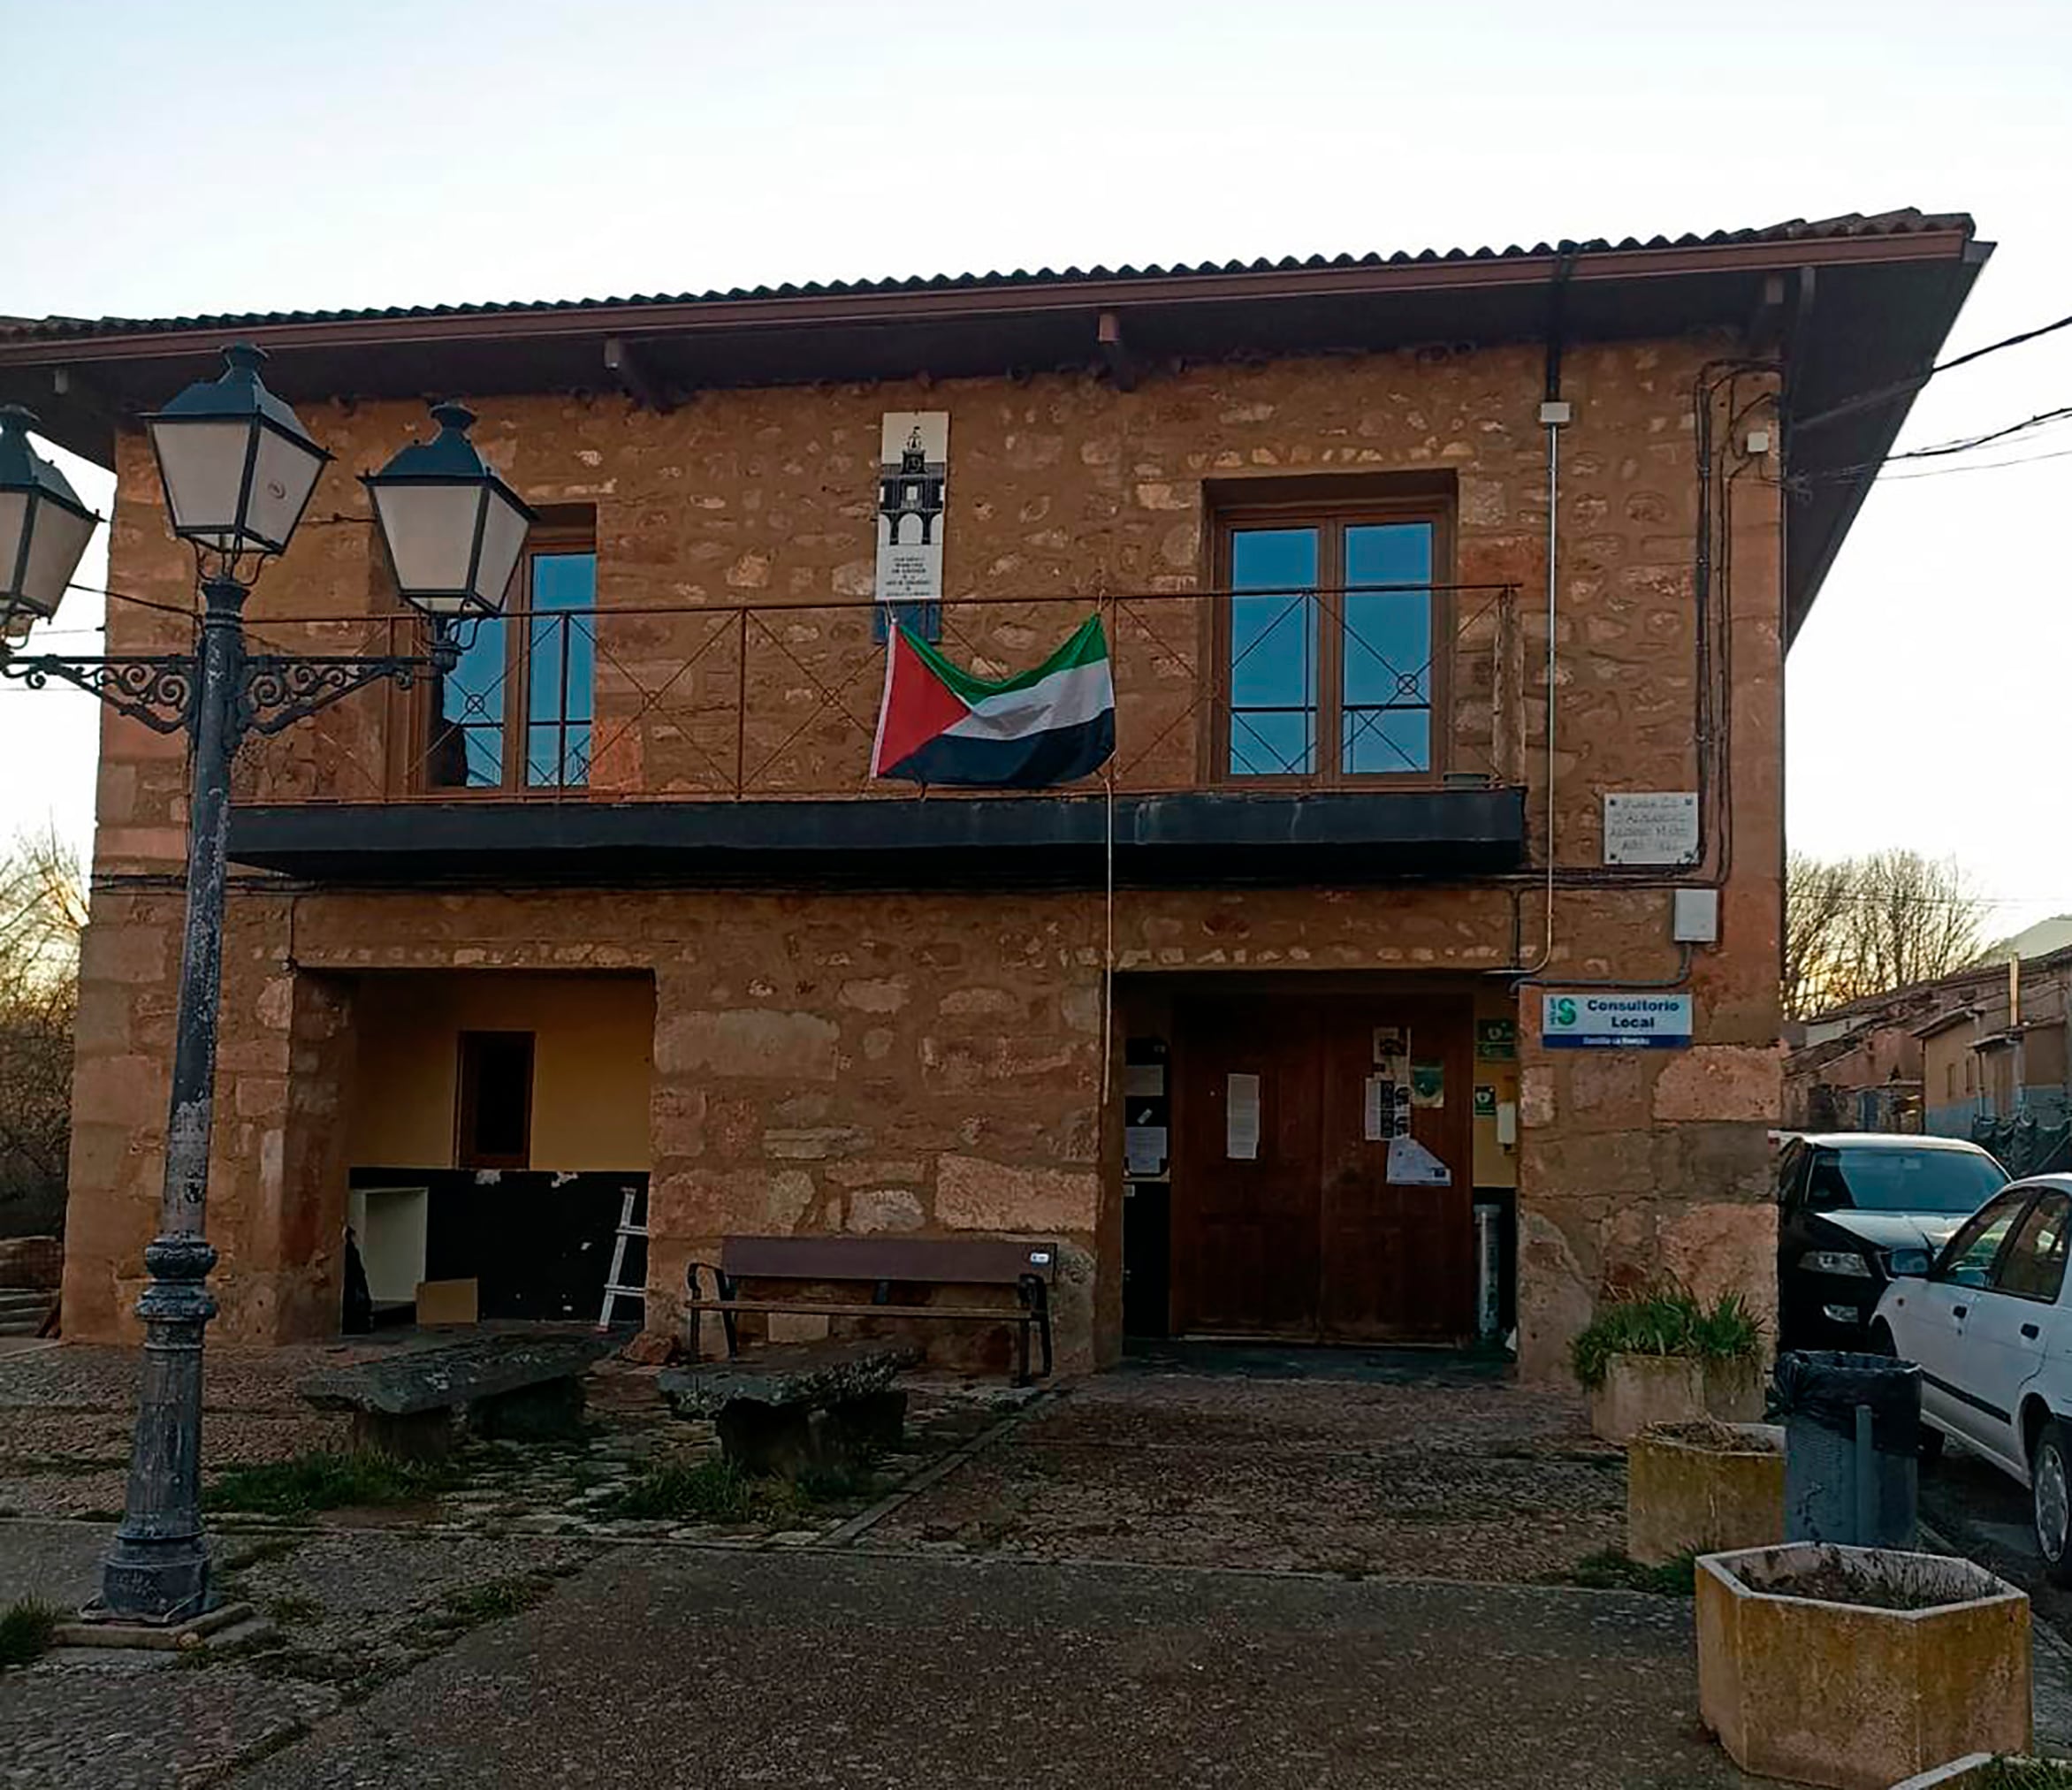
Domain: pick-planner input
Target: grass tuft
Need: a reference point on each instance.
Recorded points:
(1666, 1320)
(25, 1629)
(312, 1483)
(711, 1491)
(1614, 1570)
(2026, 1774)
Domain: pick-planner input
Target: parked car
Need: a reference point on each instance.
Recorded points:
(1854, 1209)
(1989, 1327)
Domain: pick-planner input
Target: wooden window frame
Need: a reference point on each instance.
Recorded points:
(466, 1093)
(543, 541)
(1332, 520)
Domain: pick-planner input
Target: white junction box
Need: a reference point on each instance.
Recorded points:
(1694, 917)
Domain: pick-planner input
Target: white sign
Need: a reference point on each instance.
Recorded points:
(1650, 826)
(913, 484)
(1241, 1118)
(1411, 1164)
(1616, 1021)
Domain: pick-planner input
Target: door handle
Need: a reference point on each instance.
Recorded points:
(1959, 1311)
(2030, 1331)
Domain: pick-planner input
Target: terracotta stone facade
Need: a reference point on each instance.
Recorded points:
(932, 1062)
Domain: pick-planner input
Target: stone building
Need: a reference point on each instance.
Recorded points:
(1407, 565)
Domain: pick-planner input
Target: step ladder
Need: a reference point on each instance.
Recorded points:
(615, 1288)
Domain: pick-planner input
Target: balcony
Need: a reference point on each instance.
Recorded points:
(732, 744)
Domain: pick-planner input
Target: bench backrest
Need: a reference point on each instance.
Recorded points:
(947, 1261)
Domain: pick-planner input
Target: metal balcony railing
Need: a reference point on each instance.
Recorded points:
(1318, 687)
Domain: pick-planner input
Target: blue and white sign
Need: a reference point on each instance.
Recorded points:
(1616, 1021)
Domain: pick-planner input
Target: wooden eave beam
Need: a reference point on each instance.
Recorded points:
(1121, 366)
(634, 376)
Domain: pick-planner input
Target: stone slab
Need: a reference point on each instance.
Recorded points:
(972, 1673)
(455, 1373)
(805, 1373)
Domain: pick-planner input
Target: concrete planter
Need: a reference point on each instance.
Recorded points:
(1642, 1389)
(1814, 1683)
(1691, 1493)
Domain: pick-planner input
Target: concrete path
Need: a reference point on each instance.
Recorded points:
(676, 1667)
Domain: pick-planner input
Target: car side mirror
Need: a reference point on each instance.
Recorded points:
(1909, 1264)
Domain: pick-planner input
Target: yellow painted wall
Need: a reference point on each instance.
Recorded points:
(1495, 1165)
(593, 1042)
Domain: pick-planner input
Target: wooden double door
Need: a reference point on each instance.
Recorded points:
(1308, 1235)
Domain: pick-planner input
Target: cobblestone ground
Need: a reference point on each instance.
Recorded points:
(1486, 1480)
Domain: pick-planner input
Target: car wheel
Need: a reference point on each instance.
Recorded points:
(2050, 1480)
(1881, 1340)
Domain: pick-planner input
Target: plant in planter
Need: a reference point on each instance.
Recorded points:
(1661, 1357)
(1702, 1486)
(1859, 1667)
(1993, 1772)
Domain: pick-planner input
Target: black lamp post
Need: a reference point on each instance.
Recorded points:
(238, 469)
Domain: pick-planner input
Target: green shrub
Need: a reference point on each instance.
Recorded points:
(2026, 1774)
(1667, 1319)
(25, 1628)
(314, 1483)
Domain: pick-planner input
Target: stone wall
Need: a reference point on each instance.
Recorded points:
(933, 1062)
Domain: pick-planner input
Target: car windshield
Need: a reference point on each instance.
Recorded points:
(1903, 1180)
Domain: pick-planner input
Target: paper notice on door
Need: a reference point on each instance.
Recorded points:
(1427, 1084)
(1144, 1079)
(1378, 1112)
(1144, 1149)
(1241, 1118)
(1390, 1042)
(1411, 1164)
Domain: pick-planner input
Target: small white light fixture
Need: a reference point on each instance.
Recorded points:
(44, 529)
(453, 528)
(237, 465)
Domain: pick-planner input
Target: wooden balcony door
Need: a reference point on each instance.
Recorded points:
(1309, 1238)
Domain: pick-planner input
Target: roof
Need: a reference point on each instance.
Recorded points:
(1890, 1140)
(1850, 225)
(1862, 303)
(1942, 1022)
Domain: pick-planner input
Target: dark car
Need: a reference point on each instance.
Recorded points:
(1855, 1210)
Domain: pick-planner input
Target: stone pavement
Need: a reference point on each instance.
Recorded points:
(681, 1667)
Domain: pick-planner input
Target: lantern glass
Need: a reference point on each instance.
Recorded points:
(44, 529)
(454, 528)
(238, 467)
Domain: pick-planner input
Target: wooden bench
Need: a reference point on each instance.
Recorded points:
(812, 1405)
(524, 1387)
(884, 1263)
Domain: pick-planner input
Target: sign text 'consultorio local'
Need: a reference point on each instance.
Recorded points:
(1615, 1021)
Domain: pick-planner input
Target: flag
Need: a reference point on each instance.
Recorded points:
(938, 724)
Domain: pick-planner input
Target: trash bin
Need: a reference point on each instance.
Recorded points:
(1851, 1446)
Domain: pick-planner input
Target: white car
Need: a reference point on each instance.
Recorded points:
(1991, 1329)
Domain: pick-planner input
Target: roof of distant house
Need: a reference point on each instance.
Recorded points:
(1865, 301)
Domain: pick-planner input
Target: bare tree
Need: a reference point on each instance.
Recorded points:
(1916, 918)
(1819, 907)
(1857, 927)
(42, 908)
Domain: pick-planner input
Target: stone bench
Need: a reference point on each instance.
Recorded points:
(808, 1405)
(526, 1388)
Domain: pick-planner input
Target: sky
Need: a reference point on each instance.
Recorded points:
(268, 157)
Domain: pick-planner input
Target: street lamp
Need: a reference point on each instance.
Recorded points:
(239, 471)
(44, 529)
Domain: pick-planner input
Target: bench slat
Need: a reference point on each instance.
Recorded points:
(947, 1261)
(1006, 1315)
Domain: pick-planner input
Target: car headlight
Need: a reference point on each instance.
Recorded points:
(1836, 1262)
(1913, 1262)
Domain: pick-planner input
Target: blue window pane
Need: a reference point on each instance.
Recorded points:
(468, 744)
(1273, 651)
(1387, 649)
(561, 659)
(1397, 740)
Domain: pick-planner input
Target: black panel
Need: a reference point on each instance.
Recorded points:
(1200, 839)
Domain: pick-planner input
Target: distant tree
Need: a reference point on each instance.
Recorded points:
(43, 909)
(1818, 909)
(1857, 927)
